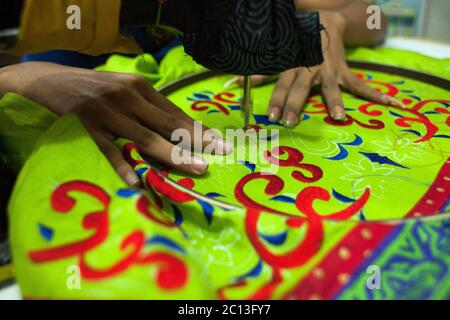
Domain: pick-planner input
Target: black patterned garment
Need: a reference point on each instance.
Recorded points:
(247, 37)
(236, 36)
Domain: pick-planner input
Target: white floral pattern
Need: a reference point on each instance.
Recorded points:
(221, 247)
(366, 174)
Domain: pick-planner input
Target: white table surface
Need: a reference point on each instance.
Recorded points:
(431, 48)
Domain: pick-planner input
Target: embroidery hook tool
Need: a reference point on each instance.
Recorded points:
(247, 102)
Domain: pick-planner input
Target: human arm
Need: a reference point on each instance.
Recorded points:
(112, 105)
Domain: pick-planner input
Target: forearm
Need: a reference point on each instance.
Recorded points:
(355, 15)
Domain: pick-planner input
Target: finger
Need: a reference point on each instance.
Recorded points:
(165, 117)
(332, 95)
(113, 154)
(157, 99)
(164, 152)
(155, 146)
(297, 96)
(359, 88)
(256, 80)
(280, 94)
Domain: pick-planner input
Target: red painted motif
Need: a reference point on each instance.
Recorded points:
(172, 273)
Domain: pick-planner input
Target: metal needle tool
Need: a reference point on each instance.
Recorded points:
(247, 102)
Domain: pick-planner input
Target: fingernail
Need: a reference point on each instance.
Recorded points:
(290, 120)
(133, 180)
(250, 130)
(274, 114)
(199, 165)
(386, 99)
(222, 147)
(338, 113)
(396, 103)
(230, 82)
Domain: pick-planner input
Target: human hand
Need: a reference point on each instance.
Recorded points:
(293, 86)
(112, 105)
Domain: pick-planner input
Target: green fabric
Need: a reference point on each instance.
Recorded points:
(22, 122)
(173, 66)
(44, 172)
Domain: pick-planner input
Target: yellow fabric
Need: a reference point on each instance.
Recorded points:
(43, 28)
(6, 272)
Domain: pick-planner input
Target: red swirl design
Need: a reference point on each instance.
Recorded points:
(294, 159)
(172, 272)
(203, 105)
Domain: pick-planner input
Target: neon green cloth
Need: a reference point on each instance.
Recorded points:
(78, 232)
(173, 66)
(20, 130)
(376, 148)
(23, 121)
